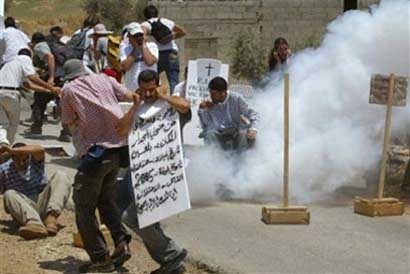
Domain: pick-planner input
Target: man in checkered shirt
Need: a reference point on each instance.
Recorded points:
(91, 104)
(34, 201)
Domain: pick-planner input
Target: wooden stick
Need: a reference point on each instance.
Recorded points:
(387, 128)
(286, 144)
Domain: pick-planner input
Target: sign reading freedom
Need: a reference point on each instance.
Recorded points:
(157, 167)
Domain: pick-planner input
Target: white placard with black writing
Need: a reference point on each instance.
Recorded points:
(157, 165)
(200, 73)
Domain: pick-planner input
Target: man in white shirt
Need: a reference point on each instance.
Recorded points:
(165, 40)
(12, 76)
(136, 56)
(13, 40)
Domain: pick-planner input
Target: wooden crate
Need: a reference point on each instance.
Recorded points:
(378, 207)
(285, 215)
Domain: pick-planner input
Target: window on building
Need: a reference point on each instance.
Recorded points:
(350, 5)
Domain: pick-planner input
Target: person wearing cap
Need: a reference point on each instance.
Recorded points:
(168, 60)
(13, 75)
(34, 201)
(138, 55)
(13, 39)
(100, 52)
(90, 103)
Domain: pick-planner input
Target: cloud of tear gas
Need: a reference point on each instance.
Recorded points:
(336, 135)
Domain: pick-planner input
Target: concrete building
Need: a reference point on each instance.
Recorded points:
(213, 25)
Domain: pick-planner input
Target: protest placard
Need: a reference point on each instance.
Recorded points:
(157, 165)
(379, 91)
(200, 73)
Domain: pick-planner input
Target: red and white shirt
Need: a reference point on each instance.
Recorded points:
(91, 103)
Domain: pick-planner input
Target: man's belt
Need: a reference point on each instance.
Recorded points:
(9, 88)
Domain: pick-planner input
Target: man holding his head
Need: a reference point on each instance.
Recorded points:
(161, 248)
(34, 201)
(227, 119)
(138, 55)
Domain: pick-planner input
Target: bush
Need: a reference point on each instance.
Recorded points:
(248, 57)
(116, 13)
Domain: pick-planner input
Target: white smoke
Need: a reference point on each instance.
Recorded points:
(336, 135)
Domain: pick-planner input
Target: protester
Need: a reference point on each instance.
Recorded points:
(81, 41)
(161, 248)
(279, 57)
(100, 52)
(227, 119)
(90, 102)
(165, 32)
(138, 55)
(14, 74)
(52, 74)
(13, 40)
(34, 201)
(56, 32)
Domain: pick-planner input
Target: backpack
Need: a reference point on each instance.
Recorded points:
(61, 52)
(161, 33)
(113, 51)
(77, 43)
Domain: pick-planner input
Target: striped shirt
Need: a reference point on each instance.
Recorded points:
(31, 183)
(91, 103)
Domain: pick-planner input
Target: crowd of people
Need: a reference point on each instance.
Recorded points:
(87, 76)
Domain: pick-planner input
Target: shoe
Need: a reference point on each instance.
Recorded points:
(51, 224)
(121, 254)
(33, 131)
(174, 266)
(32, 231)
(105, 266)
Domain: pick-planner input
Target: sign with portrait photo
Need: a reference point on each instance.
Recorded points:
(379, 91)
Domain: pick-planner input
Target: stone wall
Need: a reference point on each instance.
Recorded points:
(212, 25)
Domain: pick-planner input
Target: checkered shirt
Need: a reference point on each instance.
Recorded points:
(91, 103)
(30, 185)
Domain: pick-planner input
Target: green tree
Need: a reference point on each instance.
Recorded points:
(116, 13)
(248, 57)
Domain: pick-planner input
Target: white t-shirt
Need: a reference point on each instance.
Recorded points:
(14, 40)
(170, 24)
(180, 90)
(131, 76)
(15, 72)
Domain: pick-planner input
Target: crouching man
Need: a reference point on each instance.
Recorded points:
(227, 120)
(34, 201)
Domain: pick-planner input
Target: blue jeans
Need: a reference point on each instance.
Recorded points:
(161, 248)
(169, 62)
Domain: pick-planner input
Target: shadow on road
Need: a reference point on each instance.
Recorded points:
(9, 227)
(69, 265)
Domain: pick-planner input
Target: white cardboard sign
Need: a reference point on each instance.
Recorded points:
(157, 165)
(200, 73)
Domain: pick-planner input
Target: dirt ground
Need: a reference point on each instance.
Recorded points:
(57, 254)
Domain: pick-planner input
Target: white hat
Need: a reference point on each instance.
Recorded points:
(134, 28)
(101, 30)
